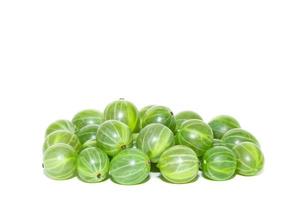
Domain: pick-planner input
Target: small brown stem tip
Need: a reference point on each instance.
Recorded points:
(98, 175)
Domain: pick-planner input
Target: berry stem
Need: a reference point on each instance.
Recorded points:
(98, 175)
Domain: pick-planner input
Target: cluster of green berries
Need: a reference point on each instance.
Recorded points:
(125, 144)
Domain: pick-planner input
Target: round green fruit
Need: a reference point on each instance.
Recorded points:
(113, 136)
(123, 111)
(155, 139)
(64, 137)
(87, 117)
(92, 165)
(87, 132)
(130, 167)
(159, 114)
(221, 124)
(60, 162)
(179, 164)
(236, 136)
(250, 158)
(64, 125)
(195, 134)
(184, 115)
(219, 163)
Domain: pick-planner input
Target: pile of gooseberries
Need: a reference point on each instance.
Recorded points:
(126, 144)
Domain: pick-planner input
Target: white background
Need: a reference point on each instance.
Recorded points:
(240, 58)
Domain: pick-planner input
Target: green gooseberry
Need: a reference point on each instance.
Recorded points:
(123, 111)
(87, 132)
(195, 134)
(130, 167)
(113, 136)
(89, 143)
(221, 124)
(179, 164)
(62, 136)
(159, 114)
(155, 139)
(219, 163)
(87, 117)
(250, 159)
(238, 135)
(184, 115)
(92, 165)
(62, 124)
(60, 162)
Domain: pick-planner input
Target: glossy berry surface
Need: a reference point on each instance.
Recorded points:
(218, 142)
(89, 143)
(141, 115)
(249, 157)
(187, 115)
(221, 124)
(159, 114)
(113, 136)
(219, 163)
(179, 164)
(64, 137)
(236, 136)
(195, 134)
(92, 165)
(87, 117)
(60, 162)
(88, 132)
(144, 109)
(64, 125)
(130, 167)
(154, 139)
(123, 111)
